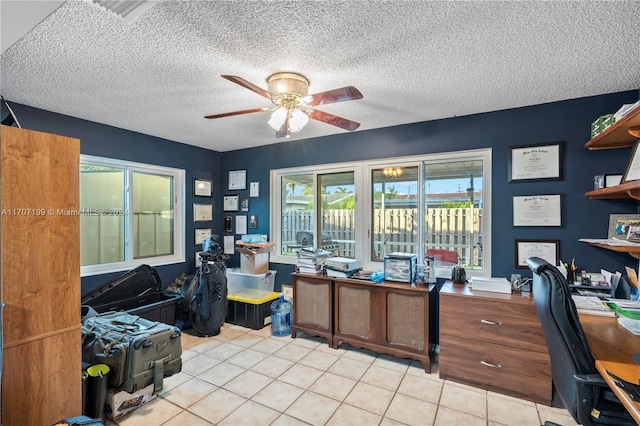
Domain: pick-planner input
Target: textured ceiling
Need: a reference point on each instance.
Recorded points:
(412, 60)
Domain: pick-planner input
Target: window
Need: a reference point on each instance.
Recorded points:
(436, 205)
(130, 213)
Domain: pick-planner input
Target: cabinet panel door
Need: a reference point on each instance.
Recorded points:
(406, 320)
(312, 302)
(354, 311)
(516, 372)
(511, 324)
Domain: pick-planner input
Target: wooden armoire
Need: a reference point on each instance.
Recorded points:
(40, 251)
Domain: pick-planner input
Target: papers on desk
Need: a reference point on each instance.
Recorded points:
(592, 305)
(630, 324)
(497, 285)
(609, 242)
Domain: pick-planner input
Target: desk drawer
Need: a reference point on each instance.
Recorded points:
(494, 321)
(507, 370)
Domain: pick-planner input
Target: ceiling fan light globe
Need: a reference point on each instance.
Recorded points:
(277, 118)
(298, 120)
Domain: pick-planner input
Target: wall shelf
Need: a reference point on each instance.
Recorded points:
(617, 135)
(618, 192)
(623, 133)
(633, 251)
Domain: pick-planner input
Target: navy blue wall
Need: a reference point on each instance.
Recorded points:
(111, 142)
(567, 121)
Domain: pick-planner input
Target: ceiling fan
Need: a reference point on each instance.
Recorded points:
(288, 92)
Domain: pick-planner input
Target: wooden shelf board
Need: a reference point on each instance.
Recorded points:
(617, 135)
(633, 251)
(624, 190)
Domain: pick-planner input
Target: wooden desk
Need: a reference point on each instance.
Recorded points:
(612, 347)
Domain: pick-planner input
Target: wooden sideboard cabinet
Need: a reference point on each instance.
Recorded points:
(494, 341)
(391, 318)
(313, 306)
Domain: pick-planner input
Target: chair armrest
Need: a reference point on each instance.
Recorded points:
(590, 380)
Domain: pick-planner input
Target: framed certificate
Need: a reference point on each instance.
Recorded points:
(537, 210)
(201, 235)
(230, 203)
(237, 179)
(202, 187)
(633, 167)
(202, 212)
(535, 162)
(548, 250)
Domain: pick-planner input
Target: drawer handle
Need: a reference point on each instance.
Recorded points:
(491, 365)
(491, 322)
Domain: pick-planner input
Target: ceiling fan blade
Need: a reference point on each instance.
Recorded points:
(244, 111)
(244, 83)
(334, 120)
(347, 93)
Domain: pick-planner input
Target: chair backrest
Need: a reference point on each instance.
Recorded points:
(563, 332)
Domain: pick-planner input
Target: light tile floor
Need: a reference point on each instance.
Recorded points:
(248, 377)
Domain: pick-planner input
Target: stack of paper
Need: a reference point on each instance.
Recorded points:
(592, 305)
(630, 324)
(310, 260)
(497, 285)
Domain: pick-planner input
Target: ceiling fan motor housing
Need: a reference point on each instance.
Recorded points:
(287, 85)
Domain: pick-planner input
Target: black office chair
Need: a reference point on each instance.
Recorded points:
(577, 382)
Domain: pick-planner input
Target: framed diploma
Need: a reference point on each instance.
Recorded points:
(537, 210)
(202, 187)
(633, 167)
(201, 235)
(548, 250)
(237, 179)
(202, 212)
(241, 224)
(254, 189)
(535, 162)
(230, 203)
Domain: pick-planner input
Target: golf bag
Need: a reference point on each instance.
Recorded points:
(205, 296)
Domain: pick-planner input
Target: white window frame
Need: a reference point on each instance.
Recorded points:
(129, 262)
(362, 182)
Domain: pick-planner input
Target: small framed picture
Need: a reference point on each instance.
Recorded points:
(244, 205)
(548, 250)
(254, 189)
(253, 221)
(202, 187)
(237, 179)
(202, 212)
(201, 235)
(228, 224)
(230, 203)
(620, 224)
(612, 180)
(287, 292)
(634, 233)
(598, 182)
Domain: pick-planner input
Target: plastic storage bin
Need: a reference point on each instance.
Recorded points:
(138, 292)
(400, 267)
(238, 281)
(251, 308)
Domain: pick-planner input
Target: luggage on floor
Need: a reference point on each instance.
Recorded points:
(139, 352)
(139, 292)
